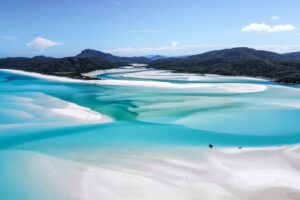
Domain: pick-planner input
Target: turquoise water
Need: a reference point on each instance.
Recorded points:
(148, 117)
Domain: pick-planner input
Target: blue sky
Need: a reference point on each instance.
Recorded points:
(146, 27)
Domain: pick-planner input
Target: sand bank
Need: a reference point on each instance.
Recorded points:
(82, 114)
(224, 87)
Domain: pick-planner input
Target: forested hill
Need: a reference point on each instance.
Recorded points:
(90, 53)
(283, 68)
(68, 67)
(237, 62)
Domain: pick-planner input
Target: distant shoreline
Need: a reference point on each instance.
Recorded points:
(225, 87)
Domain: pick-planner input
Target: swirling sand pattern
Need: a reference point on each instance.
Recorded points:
(144, 133)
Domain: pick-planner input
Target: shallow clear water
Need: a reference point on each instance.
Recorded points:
(149, 117)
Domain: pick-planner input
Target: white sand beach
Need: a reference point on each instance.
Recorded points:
(117, 70)
(169, 75)
(177, 174)
(224, 87)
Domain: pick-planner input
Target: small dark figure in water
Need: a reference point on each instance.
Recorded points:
(211, 146)
(240, 147)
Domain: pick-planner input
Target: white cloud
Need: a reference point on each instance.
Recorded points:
(265, 28)
(8, 37)
(41, 43)
(286, 27)
(273, 18)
